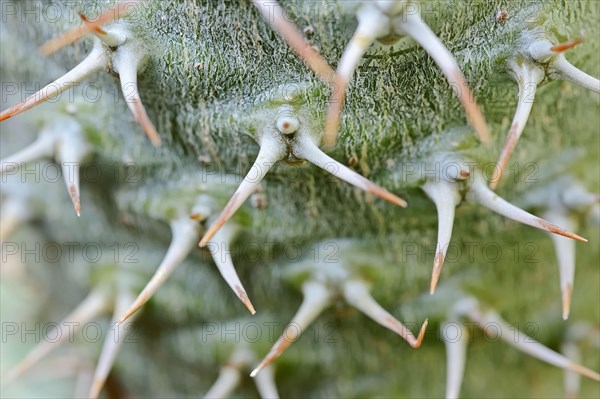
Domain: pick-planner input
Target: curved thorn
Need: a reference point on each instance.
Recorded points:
(228, 380)
(277, 18)
(270, 152)
(369, 23)
(445, 196)
(185, 233)
(112, 345)
(265, 384)
(120, 10)
(479, 192)
(357, 294)
(316, 299)
(528, 79)
(568, 71)
(41, 148)
(492, 324)
(222, 259)
(565, 254)
(413, 25)
(306, 149)
(456, 357)
(126, 63)
(95, 61)
(91, 307)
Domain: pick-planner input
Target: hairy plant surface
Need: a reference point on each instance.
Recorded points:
(215, 80)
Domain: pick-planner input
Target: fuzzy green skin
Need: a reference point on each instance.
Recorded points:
(399, 107)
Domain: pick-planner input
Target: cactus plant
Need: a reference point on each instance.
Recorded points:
(255, 116)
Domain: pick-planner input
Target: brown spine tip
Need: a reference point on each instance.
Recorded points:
(562, 47)
(386, 195)
(75, 199)
(585, 371)
(23, 106)
(557, 230)
(416, 344)
(93, 27)
(438, 263)
(566, 301)
(245, 300)
(137, 305)
(6, 114)
(95, 60)
(280, 346)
